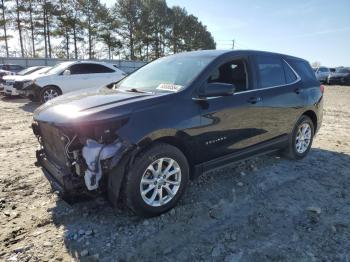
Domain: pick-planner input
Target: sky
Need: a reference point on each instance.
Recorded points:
(316, 30)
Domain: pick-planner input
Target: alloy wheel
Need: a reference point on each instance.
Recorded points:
(303, 138)
(50, 94)
(160, 182)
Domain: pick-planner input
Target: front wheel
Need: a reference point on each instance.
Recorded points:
(48, 93)
(300, 140)
(157, 180)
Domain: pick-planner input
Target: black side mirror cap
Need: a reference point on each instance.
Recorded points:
(218, 89)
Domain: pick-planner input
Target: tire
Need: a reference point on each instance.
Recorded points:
(169, 157)
(300, 142)
(33, 98)
(48, 93)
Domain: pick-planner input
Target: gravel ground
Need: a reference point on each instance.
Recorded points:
(264, 209)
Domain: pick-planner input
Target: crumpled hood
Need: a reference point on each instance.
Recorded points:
(91, 105)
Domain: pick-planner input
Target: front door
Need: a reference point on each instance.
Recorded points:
(229, 123)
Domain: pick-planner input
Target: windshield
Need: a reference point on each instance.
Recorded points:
(167, 74)
(27, 71)
(59, 68)
(43, 70)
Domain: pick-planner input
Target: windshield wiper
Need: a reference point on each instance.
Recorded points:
(135, 90)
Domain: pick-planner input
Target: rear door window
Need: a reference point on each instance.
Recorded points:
(271, 72)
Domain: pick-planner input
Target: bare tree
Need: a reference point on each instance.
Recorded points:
(4, 24)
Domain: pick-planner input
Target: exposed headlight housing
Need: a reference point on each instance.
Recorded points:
(28, 83)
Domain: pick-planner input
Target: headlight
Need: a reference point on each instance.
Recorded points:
(28, 83)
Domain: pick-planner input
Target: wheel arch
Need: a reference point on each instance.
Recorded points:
(55, 86)
(313, 117)
(174, 141)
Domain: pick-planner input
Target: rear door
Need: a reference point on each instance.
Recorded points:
(281, 92)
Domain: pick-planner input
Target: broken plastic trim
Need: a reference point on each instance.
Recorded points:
(94, 152)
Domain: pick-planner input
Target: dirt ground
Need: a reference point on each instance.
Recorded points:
(264, 209)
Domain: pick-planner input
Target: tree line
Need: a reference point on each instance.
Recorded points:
(75, 29)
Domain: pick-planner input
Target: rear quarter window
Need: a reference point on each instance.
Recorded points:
(303, 69)
(290, 75)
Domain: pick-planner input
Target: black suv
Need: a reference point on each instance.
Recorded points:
(144, 138)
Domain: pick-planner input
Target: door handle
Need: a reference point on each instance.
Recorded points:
(254, 100)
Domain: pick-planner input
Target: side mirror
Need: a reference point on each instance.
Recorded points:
(66, 72)
(218, 89)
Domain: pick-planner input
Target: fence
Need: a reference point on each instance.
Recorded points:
(126, 66)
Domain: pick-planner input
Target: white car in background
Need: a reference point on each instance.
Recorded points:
(69, 76)
(4, 73)
(28, 73)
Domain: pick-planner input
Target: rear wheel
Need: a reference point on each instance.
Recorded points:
(301, 139)
(157, 180)
(48, 93)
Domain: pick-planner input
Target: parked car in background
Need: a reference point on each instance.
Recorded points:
(322, 73)
(340, 77)
(9, 81)
(11, 67)
(67, 77)
(174, 118)
(2, 74)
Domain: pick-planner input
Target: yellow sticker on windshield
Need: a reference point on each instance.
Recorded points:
(169, 87)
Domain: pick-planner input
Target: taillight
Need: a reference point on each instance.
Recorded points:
(322, 88)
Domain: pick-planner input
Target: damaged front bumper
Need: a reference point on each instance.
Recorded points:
(61, 179)
(31, 91)
(81, 170)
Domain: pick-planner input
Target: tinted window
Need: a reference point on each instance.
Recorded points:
(15, 67)
(323, 70)
(290, 76)
(96, 68)
(271, 71)
(89, 69)
(303, 69)
(231, 73)
(76, 69)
